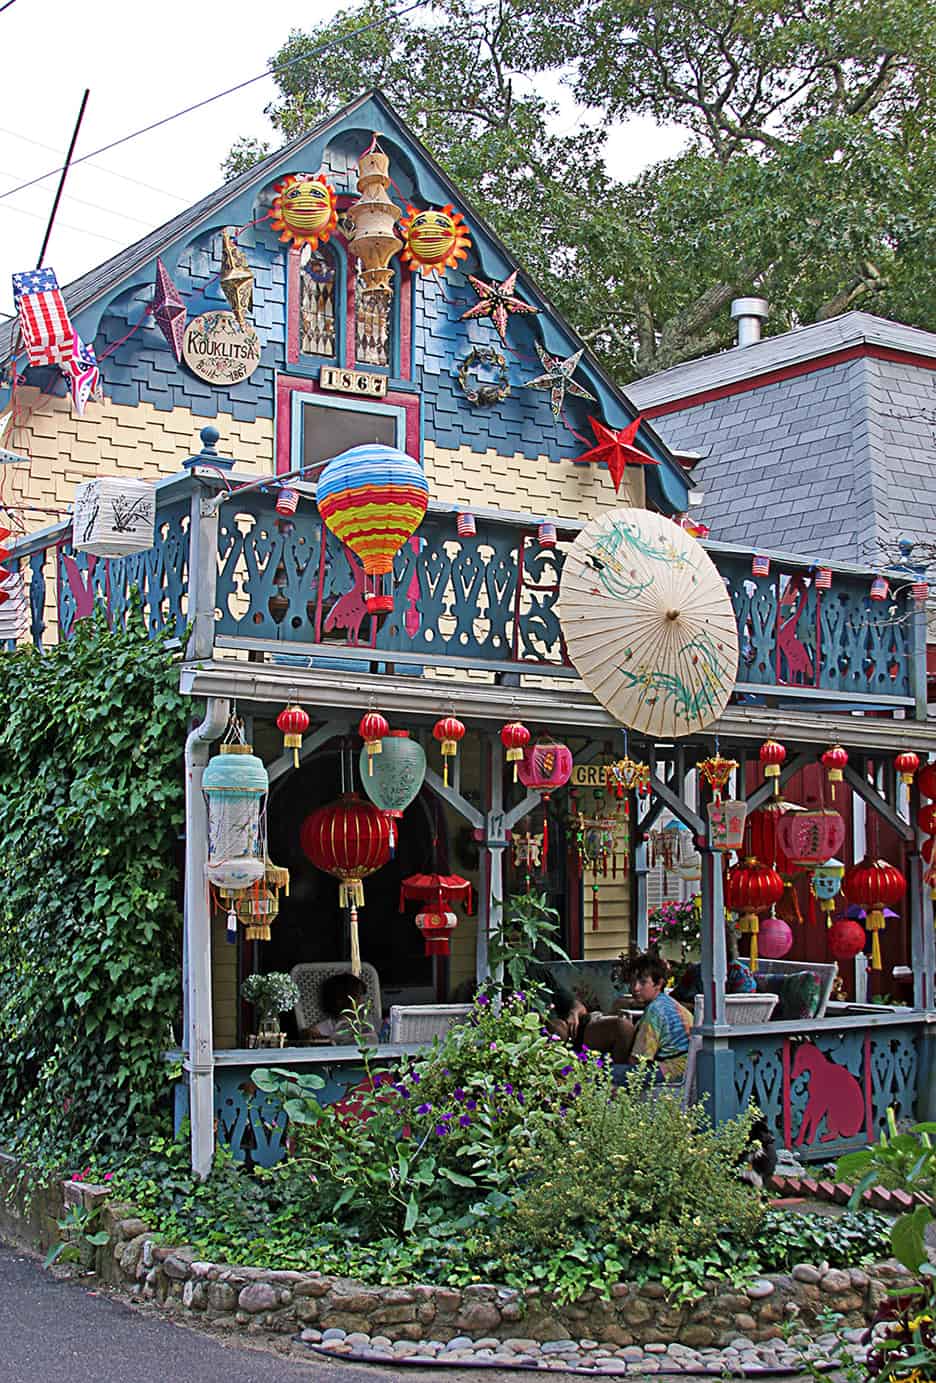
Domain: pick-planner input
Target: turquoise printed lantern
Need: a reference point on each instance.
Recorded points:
(398, 774)
(235, 784)
(826, 883)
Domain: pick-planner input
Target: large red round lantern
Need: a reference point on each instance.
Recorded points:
(293, 723)
(846, 939)
(348, 839)
(514, 737)
(926, 780)
(775, 938)
(810, 837)
(545, 766)
(448, 731)
(906, 765)
(874, 884)
(772, 755)
(926, 819)
(373, 729)
(750, 888)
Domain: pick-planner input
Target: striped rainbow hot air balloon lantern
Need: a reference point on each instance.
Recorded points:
(373, 498)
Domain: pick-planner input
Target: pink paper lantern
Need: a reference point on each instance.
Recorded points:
(775, 938)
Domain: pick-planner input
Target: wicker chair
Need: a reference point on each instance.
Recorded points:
(311, 975)
(423, 1022)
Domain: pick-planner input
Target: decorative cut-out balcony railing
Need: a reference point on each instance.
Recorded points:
(488, 602)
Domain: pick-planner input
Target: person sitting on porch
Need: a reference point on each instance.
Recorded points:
(662, 1033)
(343, 1000)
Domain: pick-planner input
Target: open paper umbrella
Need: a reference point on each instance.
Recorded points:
(649, 623)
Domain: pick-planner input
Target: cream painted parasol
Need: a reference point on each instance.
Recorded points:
(649, 623)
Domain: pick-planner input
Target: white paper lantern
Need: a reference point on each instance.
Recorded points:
(114, 518)
(14, 611)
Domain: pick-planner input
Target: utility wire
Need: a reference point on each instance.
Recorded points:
(7, 5)
(95, 206)
(261, 76)
(98, 168)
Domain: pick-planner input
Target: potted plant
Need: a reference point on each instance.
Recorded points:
(271, 995)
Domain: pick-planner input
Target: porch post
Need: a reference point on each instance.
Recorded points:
(714, 951)
(199, 1055)
(491, 900)
(203, 572)
(641, 908)
(922, 936)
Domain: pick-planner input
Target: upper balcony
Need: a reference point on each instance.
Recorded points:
(286, 590)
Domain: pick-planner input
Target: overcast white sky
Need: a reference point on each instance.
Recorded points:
(141, 64)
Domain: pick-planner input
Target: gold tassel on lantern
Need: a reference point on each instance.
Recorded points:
(875, 922)
(749, 925)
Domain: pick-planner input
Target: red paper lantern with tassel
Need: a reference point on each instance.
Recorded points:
(834, 761)
(846, 938)
(373, 728)
(348, 839)
(906, 765)
(545, 767)
(750, 888)
(514, 737)
(772, 755)
(873, 884)
(926, 819)
(293, 722)
(448, 731)
(926, 781)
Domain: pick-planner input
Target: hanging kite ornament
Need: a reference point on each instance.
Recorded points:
(373, 729)
(514, 737)
(772, 755)
(497, 301)
(373, 498)
(304, 211)
(236, 279)
(293, 722)
(834, 761)
(545, 767)
(435, 239)
(449, 732)
(616, 449)
(169, 309)
(557, 378)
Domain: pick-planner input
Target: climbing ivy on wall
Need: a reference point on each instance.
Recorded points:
(91, 808)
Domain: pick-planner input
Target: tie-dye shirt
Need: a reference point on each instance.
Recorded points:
(663, 1035)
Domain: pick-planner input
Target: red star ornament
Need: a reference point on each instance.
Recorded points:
(617, 449)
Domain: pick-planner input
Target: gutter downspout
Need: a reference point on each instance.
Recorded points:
(196, 953)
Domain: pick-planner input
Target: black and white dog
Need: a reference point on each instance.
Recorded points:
(759, 1160)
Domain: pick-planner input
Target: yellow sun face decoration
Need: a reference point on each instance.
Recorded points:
(434, 240)
(304, 209)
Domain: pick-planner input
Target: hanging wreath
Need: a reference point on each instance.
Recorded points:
(484, 393)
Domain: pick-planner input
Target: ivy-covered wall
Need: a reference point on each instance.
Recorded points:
(91, 781)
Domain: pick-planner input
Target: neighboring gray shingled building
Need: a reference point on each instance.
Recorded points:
(822, 440)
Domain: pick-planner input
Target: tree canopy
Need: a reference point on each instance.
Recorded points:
(807, 175)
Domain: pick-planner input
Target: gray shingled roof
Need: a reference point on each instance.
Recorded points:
(827, 461)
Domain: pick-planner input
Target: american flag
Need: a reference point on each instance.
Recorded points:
(83, 374)
(823, 579)
(760, 566)
(47, 332)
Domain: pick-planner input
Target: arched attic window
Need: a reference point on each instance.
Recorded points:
(317, 292)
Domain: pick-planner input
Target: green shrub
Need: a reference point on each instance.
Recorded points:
(91, 737)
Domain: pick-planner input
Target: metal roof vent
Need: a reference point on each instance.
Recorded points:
(749, 313)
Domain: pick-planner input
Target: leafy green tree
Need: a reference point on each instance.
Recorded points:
(807, 175)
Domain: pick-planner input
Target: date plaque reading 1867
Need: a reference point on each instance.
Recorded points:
(357, 382)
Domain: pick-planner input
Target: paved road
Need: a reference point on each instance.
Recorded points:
(54, 1330)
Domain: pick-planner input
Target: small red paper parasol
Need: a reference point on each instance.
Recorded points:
(439, 891)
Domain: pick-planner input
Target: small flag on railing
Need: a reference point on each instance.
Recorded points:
(466, 526)
(823, 579)
(920, 592)
(546, 534)
(880, 588)
(760, 566)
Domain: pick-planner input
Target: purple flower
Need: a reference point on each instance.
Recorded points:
(493, 1047)
(554, 1037)
(402, 1090)
(577, 1088)
(520, 996)
(446, 1117)
(458, 1093)
(446, 1071)
(508, 1088)
(414, 1077)
(565, 1070)
(465, 1120)
(471, 1104)
(424, 1109)
(440, 1130)
(482, 999)
(520, 1098)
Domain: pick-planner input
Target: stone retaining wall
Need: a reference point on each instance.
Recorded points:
(262, 1301)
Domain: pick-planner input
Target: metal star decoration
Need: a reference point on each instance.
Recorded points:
(617, 449)
(557, 378)
(169, 309)
(497, 301)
